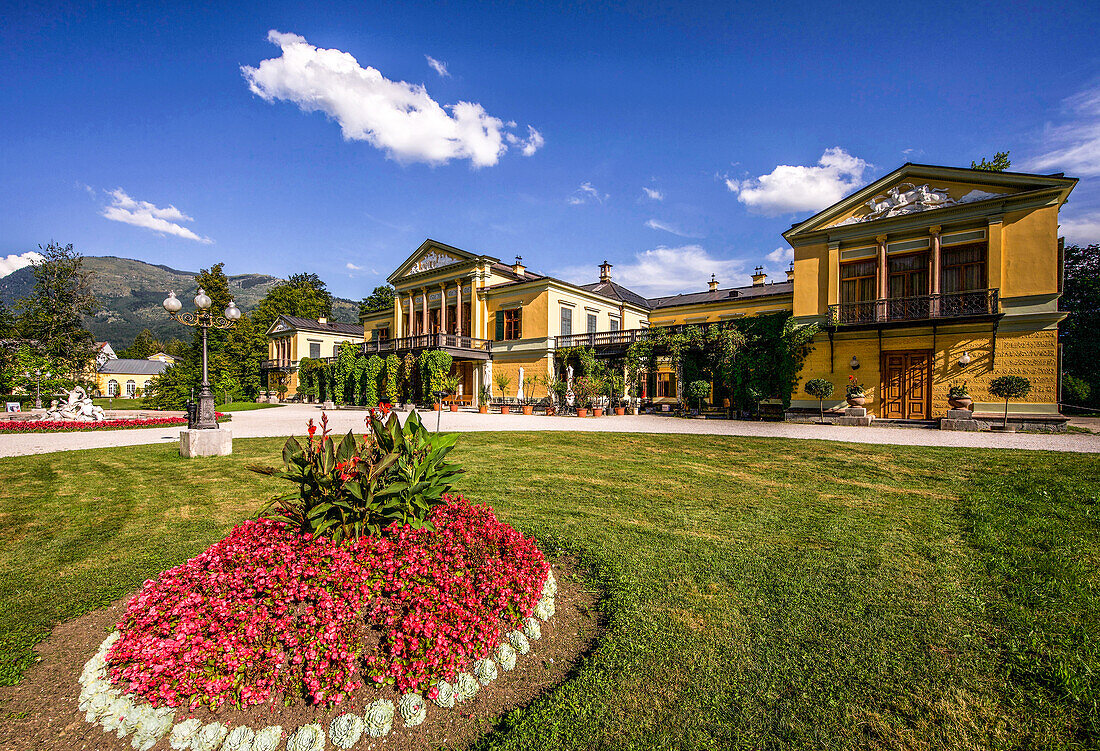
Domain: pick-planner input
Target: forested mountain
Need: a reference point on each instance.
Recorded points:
(130, 293)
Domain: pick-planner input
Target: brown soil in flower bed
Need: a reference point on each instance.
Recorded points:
(41, 712)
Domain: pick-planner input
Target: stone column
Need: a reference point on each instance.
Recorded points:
(458, 307)
(443, 307)
(934, 273)
(412, 319)
(424, 310)
(880, 274)
(396, 334)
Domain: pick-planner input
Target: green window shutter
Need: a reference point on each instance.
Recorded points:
(500, 325)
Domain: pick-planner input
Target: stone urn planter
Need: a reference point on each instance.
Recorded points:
(620, 411)
(505, 409)
(960, 402)
(856, 400)
(528, 409)
(597, 411)
(454, 407)
(483, 409)
(582, 412)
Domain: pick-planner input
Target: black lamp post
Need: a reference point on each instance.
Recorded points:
(37, 386)
(204, 319)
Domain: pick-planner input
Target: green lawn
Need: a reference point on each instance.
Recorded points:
(136, 404)
(759, 593)
(244, 406)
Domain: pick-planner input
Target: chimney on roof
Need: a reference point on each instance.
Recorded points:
(790, 272)
(759, 277)
(518, 268)
(605, 272)
(713, 283)
(322, 319)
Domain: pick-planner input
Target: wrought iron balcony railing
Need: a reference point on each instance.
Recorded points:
(438, 340)
(282, 364)
(981, 302)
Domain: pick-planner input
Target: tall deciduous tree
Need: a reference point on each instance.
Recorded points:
(144, 344)
(53, 313)
(380, 299)
(1080, 332)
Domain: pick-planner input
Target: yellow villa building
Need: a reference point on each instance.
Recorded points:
(929, 276)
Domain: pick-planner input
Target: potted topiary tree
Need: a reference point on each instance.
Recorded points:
(596, 387)
(451, 384)
(1009, 387)
(958, 396)
(855, 396)
(502, 381)
(484, 396)
(582, 390)
(528, 387)
(821, 390)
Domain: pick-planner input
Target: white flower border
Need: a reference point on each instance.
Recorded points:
(115, 711)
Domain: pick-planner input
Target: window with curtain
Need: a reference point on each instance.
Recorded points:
(907, 276)
(857, 281)
(963, 268)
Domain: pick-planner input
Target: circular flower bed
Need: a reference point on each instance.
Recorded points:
(269, 614)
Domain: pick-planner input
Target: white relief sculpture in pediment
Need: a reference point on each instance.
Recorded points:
(431, 260)
(907, 198)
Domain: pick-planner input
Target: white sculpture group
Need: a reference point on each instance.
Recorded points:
(77, 408)
(907, 198)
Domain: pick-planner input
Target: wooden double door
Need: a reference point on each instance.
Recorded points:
(907, 385)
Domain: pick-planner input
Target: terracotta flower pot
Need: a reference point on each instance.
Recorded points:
(483, 410)
(437, 406)
(620, 411)
(960, 402)
(856, 401)
(597, 411)
(582, 412)
(528, 409)
(504, 409)
(454, 407)
(550, 411)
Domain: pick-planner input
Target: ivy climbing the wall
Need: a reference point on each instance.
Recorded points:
(435, 365)
(393, 379)
(372, 375)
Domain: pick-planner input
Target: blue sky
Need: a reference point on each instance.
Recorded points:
(674, 140)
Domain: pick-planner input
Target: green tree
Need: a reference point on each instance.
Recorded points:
(1009, 387)
(144, 344)
(999, 163)
(380, 299)
(821, 390)
(53, 313)
(1080, 332)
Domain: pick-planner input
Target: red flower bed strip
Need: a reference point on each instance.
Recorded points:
(268, 611)
(65, 426)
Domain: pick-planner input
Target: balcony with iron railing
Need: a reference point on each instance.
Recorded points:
(981, 303)
(462, 346)
(278, 364)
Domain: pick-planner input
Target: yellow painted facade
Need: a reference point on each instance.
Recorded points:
(927, 303)
(1014, 224)
(290, 339)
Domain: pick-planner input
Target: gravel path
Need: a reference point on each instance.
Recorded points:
(291, 419)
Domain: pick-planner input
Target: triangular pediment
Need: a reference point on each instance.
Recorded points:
(915, 189)
(279, 324)
(430, 256)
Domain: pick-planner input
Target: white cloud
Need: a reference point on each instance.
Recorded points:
(144, 214)
(1082, 230)
(15, 261)
(658, 225)
(352, 267)
(1073, 146)
(586, 193)
(790, 188)
(397, 117)
(527, 146)
(438, 66)
(654, 194)
(781, 256)
(667, 271)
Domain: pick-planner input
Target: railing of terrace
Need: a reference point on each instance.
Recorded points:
(438, 340)
(983, 302)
